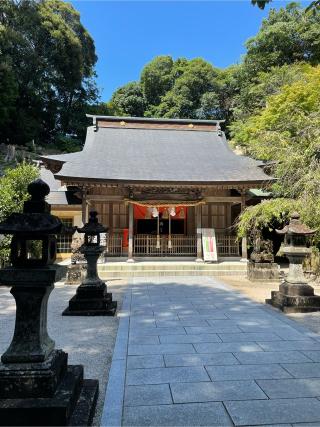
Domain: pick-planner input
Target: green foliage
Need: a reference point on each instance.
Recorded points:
(313, 6)
(128, 100)
(194, 93)
(287, 131)
(157, 78)
(269, 214)
(13, 193)
(67, 144)
(177, 89)
(47, 60)
(288, 35)
(260, 3)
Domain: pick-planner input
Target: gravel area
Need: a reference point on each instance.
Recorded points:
(87, 340)
(260, 291)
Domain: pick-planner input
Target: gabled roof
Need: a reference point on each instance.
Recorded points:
(158, 155)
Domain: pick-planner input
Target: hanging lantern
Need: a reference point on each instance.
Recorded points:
(165, 214)
(172, 211)
(182, 214)
(155, 212)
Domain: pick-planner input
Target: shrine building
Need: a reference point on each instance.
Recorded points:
(156, 184)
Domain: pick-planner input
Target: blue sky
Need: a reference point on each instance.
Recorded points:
(128, 34)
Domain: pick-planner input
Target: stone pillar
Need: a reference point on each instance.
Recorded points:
(244, 249)
(130, 234)
(199, 238)
(30, 342)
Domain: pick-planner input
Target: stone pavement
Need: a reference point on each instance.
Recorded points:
(193, 352)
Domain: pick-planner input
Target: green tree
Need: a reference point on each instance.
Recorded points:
(129, 100)
(288, 35)
(195, 92)
(177, 89)
(157, 78)
(252, 95)
(13, 193)
(51, 59)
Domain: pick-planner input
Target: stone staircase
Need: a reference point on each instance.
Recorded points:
(122, 269)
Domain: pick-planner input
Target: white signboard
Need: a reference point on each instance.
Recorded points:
(209, 244)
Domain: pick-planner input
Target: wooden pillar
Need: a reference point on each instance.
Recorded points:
(199, 239)
(84, 205)
(130, 234)
(244, 249)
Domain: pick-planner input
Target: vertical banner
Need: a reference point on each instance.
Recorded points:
(209, 244)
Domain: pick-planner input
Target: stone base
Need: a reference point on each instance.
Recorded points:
(75, 273)
(91, 301)
(73, 403)
(262, 271)
(19, 380)
(295, 298)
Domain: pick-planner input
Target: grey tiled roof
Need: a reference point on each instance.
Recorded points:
(159, 155)
(58, 195)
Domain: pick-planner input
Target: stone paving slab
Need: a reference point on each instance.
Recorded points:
(306, 387)
(157, 331)
(167, 375)
(137, 349)
(216, 391)
(227, 347)
(291, 345)
(313, 355)
(252, 336)
(178, 322)
(303, 370)
(190, 338)
(144, 339)
(150, 361)
(158, 394)
(200, 359)
(247, 372)
(201, 414)
(271, 357)
(261, 412)
(212, 329)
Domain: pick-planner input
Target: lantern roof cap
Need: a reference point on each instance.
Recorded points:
(92, 226)
(295, 226)
(36, 218)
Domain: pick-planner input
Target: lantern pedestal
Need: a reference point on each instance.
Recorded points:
(295, 299)
(92, 298)
(295, 295)
(37, 386)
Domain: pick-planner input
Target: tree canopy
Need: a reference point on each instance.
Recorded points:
(174, 88)
(47, 68)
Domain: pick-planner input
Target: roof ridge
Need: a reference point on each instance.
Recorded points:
(152, 119)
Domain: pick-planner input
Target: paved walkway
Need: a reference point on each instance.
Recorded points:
(193, 352)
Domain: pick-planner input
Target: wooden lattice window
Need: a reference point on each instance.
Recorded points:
(120, 215)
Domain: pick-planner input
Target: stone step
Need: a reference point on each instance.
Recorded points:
(108, 274)
(170, 266)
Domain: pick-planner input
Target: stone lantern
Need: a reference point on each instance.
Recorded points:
(92, 298)
(295, 295)
(37, 386)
